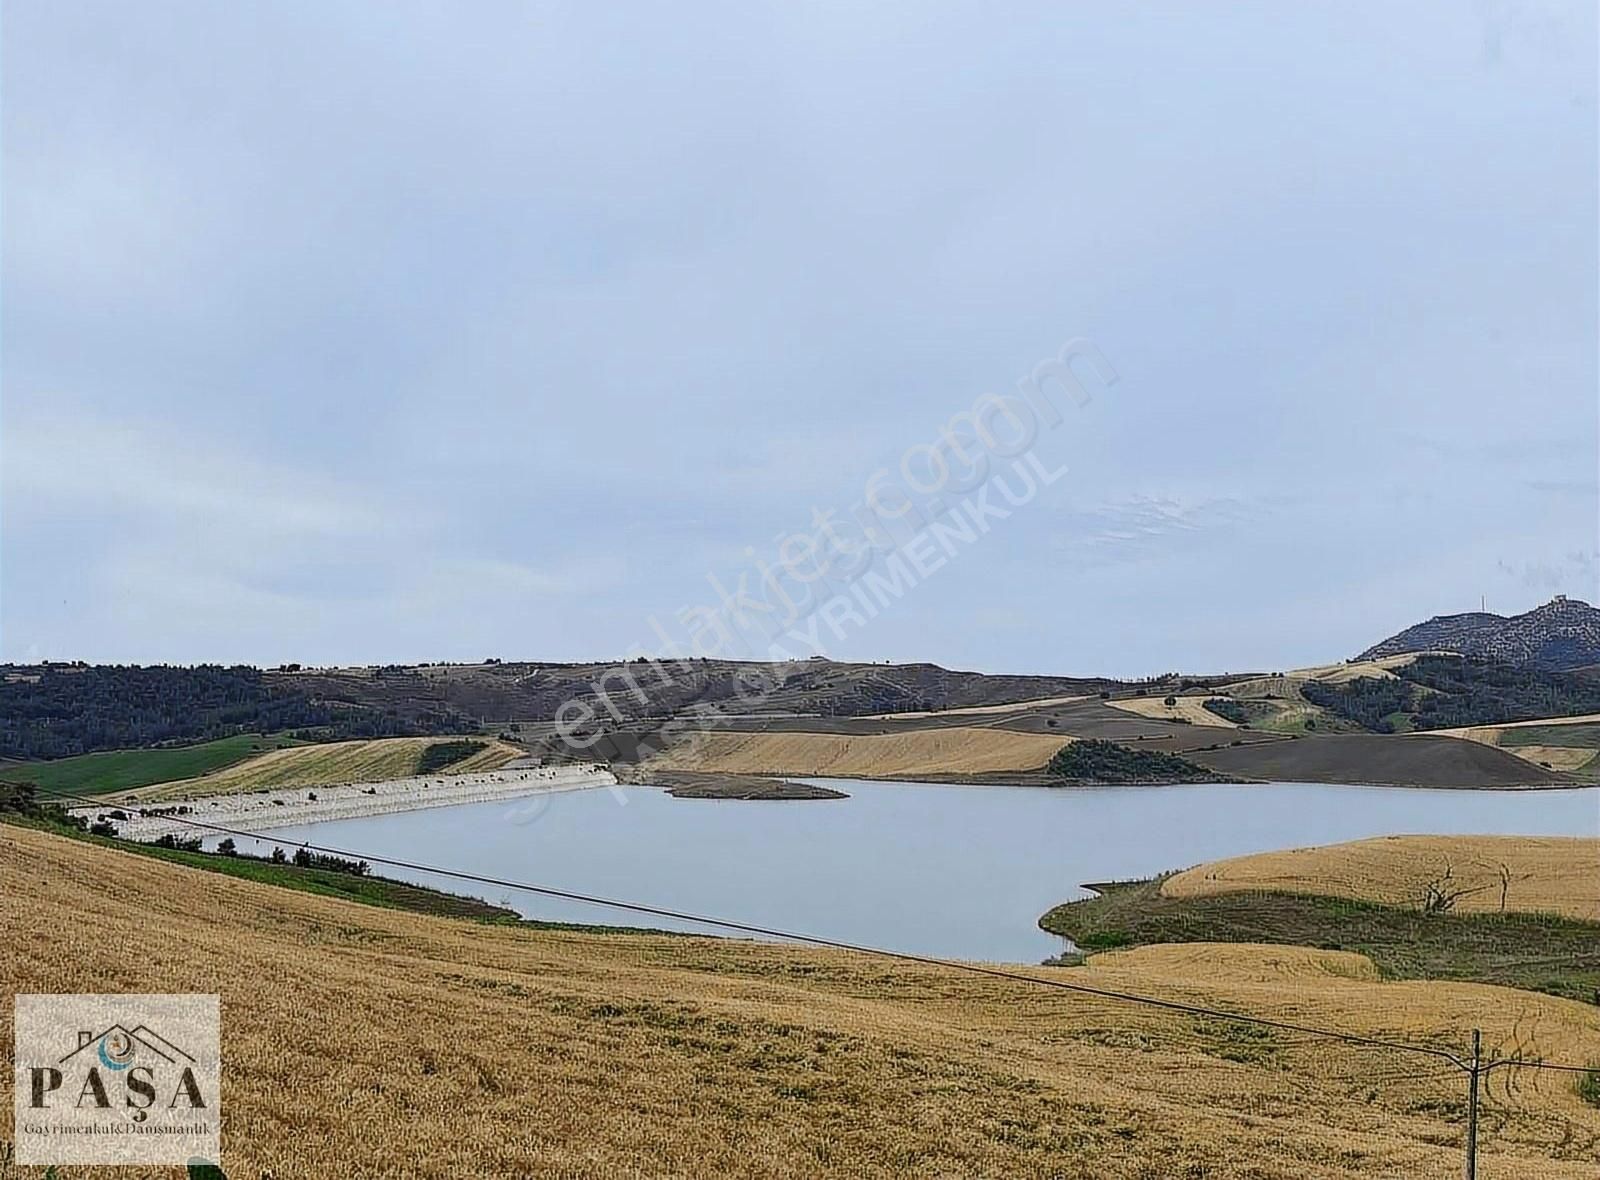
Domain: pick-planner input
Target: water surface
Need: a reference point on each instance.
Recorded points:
(946, 870)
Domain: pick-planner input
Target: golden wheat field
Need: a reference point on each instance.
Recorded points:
(1570, 758)
(952, 750)
(324, 765)
(1342, 673)
(1539, 874)
(375, 1043)
(1190, 709)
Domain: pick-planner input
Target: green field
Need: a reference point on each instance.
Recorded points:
(1582, 736)
(122, 770)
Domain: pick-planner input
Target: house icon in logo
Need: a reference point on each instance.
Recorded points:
(96, 1083)
(118, 1047)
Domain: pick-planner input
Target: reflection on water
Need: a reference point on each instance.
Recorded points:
(957, 871)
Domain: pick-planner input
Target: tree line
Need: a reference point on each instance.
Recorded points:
(56, 711)
(1447, 692)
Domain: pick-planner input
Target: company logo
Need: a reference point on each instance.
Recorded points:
(117, 1079)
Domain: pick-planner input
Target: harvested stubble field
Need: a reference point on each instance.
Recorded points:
(366, 1042)
(1190, 710)
(1378, 669)
(931, 751)
(1540, 874)
(325, 764)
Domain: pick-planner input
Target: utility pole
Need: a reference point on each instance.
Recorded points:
(1472, 1105)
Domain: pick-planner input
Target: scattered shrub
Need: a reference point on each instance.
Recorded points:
(442, 754)
(1095, 761)
(182, 843)
(307, 859)
(1227, 709)
(1588, 1087)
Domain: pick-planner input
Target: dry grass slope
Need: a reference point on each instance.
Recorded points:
(1294, 711)
(1378, 669)
(1476, 732)
(391, 1044)
(1544, 874)
(1573, 759)
(1190, 709)
(325, 765)
(1580, 756)
(953, 750)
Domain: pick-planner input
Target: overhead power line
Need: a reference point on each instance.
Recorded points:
(1476, 1068)
(815, 940)
(881, 952)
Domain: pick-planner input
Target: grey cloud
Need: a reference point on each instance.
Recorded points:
(338, 333)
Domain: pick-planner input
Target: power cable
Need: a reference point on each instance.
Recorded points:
(860, 948)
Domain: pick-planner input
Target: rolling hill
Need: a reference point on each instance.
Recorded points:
(123, 770)
(392, 1040)
(331, 763)
(61, 710)
(1488, 874)
(1564, 633)
(1411, 760)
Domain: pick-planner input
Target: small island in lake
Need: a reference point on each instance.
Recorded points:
(683, 784)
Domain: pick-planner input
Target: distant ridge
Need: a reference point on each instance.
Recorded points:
(1564, 633)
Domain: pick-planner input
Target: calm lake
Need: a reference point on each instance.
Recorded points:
(956, 871)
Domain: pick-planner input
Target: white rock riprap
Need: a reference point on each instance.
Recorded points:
(258, 811)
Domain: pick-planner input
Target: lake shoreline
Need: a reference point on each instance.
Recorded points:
(264, 810)
(1039, 779)
(930, 868)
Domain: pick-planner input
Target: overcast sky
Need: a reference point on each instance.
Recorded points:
(367, 333)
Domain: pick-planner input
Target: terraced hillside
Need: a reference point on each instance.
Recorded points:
(470, 1049)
